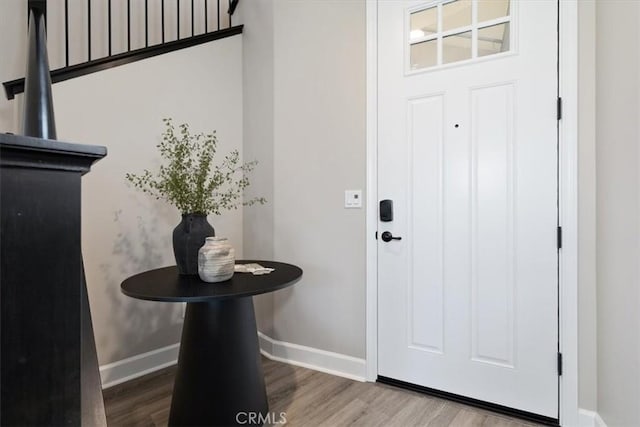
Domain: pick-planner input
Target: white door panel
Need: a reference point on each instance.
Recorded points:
(468, 154)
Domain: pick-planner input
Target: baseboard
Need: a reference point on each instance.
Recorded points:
(313, 358)
(266, 345)
(588, 418)
(307, 357)
(133, 367)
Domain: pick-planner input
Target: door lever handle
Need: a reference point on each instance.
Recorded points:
(387, 237)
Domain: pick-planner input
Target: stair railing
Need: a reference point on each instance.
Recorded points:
(166, 25)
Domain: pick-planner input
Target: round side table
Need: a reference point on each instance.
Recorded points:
(219, 380)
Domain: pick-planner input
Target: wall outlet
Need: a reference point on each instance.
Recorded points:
(353, 199)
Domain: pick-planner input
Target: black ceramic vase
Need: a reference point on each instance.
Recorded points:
(188, 238)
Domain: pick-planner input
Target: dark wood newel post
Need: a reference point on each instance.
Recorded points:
(38, 118)
(48, 365)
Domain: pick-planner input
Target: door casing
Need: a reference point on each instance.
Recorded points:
(568, 204)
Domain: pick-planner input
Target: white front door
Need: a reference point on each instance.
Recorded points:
(467, 152)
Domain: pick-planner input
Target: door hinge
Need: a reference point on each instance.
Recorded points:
(559, 108)
(559, 363)
(559, 237)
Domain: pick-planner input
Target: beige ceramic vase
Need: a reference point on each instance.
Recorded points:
(216, 260)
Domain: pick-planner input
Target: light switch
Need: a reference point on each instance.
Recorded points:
(353, 199)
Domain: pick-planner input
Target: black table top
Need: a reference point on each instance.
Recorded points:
(165, 284)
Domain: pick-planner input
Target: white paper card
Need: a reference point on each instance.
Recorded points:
(255, 269)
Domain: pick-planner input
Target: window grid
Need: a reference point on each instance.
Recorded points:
(416, 36)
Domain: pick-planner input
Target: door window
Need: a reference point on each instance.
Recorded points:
(458, 30)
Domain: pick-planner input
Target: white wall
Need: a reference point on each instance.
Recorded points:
(124, 231)
(618, 211)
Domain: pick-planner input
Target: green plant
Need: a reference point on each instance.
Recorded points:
(190, 180)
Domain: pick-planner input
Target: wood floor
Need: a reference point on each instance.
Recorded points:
(308, 398)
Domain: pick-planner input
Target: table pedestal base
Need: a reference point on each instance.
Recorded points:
(219, 380)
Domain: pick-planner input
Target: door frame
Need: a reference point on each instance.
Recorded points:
(568, 204)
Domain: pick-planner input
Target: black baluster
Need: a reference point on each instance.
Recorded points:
(178, 15)
(206, 17)
(146, 23)
(162, 21)
(232, 7)
(66, 31)
(218, 15)
(128, 24)
(109, 24)
(193, 32)
(89, 29)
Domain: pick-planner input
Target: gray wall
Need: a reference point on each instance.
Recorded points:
(587, 337)
(305, 113)
(319, 151)
(13, 41)
(125, 231)
(258, 124)
(618, 213)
